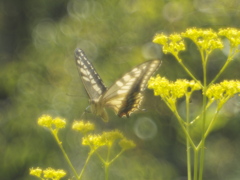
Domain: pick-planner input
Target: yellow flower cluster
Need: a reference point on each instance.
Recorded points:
(171, 91)
(93, 140)
(49, 122)
(206, 40)
(107, 139)
(232, 34)
(223, 91)
(172, 44)
(83, 127)
(48, 173)
(36, 172)
(126, 144)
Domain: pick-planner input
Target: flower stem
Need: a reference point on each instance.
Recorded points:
(195, 164)
(184, 67)
(229, 59)
(88, 158)
(64, 153)
(187, 140)
(202, 151)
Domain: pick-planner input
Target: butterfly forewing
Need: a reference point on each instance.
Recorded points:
(125, 95)
(90, 78)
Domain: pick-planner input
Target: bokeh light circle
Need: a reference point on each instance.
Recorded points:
(145, 128)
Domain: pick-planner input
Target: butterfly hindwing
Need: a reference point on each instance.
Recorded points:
(125, 95)
(90, 78)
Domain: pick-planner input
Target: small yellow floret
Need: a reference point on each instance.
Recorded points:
(54, 174)
(83, 127)
(206, 40)
(172, 44)
(223, 91)
(59, 123)
(111, 136)
(127, 144)
(232, 34)
(36, 172)
(171, 91)
(45, 120)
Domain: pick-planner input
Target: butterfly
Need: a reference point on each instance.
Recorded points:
(124, 96)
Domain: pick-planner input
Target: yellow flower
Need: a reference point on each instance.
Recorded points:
(160, 39)
(126, 144)
(172, 44)
(171, 91)
(105, 139)
(206, 40)
(54, 174)
(232, 34)
(59, 123)
(223, 91)
(94, 141)
(45, 120)
(110, 137)
(83, 127)
(49, 122)
(36, 172)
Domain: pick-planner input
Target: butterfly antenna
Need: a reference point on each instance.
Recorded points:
(73, 95)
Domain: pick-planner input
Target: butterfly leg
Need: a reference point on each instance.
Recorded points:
(86, 111)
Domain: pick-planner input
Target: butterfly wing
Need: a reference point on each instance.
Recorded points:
(125, 95)
(91, 80)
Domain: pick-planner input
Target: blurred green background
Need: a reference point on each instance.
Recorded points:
(38, 76)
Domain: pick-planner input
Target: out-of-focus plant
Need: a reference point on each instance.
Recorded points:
(94, 141)
(170, 92)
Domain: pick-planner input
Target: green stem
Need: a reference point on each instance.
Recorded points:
(229, 59)
(195, 164)
(209, 128)
(107, 163)
(106, 170)
(184, 67)
(187, 140)
(87, 160)
(203, 142)
(63, 151)
(198, 117)
(110, 162)
(172, 107)
(184, 129)
(202, 152)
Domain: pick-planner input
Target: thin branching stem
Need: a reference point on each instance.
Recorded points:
(187, 140)
(64, 153)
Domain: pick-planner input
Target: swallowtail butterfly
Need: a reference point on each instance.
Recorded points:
(124, 96)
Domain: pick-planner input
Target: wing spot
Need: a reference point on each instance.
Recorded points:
(96, 87)
(79, 61)
(135, 69)
(126, 77)
(122, 91)
(93, 82)
(85, 78)
(83, 71)
(119, 83)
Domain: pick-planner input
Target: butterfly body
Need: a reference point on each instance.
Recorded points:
(124, 96)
